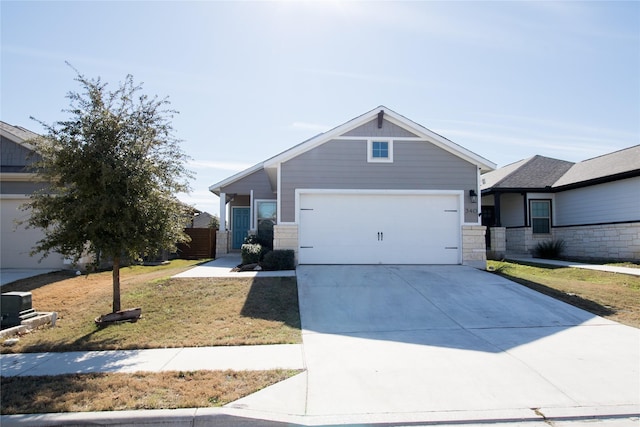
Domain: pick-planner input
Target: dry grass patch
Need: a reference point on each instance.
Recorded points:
(175, 312)
(610, 295)
(117, 392)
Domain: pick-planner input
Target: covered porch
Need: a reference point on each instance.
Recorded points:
(248, 206)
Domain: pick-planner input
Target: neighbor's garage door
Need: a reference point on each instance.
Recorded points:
(16, 242)
(379, 229)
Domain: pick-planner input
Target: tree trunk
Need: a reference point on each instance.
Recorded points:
(116, 284)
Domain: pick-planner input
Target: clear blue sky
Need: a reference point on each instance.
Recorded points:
(506, 80)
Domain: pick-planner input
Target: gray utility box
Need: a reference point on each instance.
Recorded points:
(15, 307)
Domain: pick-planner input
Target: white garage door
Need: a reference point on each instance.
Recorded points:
(16, 242)
(341, 228)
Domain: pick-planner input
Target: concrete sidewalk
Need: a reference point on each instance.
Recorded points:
(222, 266)
(239, 358)
(608, 268)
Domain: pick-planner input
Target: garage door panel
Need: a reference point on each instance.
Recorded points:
(16, 242)
(379, 228)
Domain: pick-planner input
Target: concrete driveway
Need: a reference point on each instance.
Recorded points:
(451, 343)
(8, 275)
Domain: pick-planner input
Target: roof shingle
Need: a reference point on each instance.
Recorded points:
(536, 172)
(618, 162)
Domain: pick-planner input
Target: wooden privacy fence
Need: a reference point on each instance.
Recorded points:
(202, 244)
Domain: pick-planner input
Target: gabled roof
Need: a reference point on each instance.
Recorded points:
(545, 173)
(393, 117)
(537, 172)
(17, 134)
(622, 162)
(420, 132)
(215, 188)
(494, 177)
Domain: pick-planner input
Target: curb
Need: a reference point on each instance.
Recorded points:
(621, 415)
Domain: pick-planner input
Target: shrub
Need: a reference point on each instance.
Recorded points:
(251, 239)
(265, 233)
(259, 239)
(251, 253)
(279, 259)
(550, 249)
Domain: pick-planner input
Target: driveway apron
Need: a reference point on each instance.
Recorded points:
(412, 339)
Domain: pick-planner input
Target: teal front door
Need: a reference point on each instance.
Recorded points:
(240, 226)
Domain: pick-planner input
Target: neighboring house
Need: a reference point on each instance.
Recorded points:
(377, 189)
(16, 184)
(203, 220)
(593, 205)
(200, 220)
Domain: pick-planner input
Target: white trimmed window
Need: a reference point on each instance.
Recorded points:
(380, 151)
(266, 214)
(541, 216)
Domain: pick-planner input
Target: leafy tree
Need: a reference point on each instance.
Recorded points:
(215, 221)
(113, 170)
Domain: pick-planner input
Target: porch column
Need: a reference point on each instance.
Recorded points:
(222, 236)
(252, 225)
(474, 251)
(223, 211)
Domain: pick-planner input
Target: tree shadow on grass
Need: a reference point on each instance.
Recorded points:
(86, 342)
(572, 299)
(275, 299)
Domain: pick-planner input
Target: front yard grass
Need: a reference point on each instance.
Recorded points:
(610, 295)
(175, 312)
(118, 392)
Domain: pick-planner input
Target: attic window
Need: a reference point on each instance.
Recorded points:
(379, 151)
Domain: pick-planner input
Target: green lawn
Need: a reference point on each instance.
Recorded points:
(175, 312)
(611, 295)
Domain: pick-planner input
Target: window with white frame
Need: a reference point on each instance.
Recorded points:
(541, 216)
(380, 150)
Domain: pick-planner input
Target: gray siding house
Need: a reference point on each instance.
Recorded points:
(593, 205)
(378, 189)
(16, 184)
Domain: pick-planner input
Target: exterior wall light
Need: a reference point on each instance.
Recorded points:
(474, 196)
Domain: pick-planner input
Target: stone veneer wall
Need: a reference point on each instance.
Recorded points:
(609, 241)
(222, 242)
(516, 239)
(286, 237)
(521, 240)
(605, 241)
(474, 251)
(498, 243)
